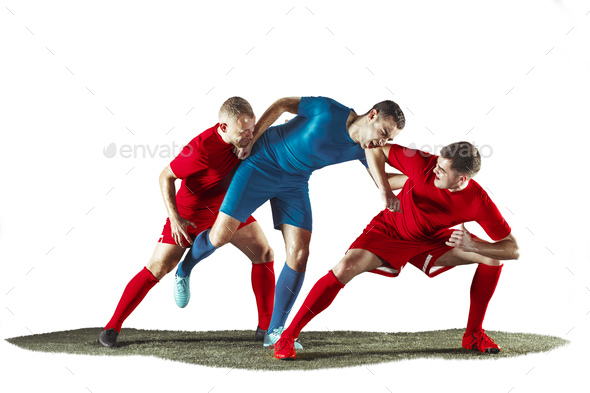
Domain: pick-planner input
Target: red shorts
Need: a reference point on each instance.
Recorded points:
(397, 253)
(203, 223)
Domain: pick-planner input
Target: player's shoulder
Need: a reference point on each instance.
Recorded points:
(206, 137)
(313, 105)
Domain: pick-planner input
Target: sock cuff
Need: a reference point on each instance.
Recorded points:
(334, 280)
(149, 276)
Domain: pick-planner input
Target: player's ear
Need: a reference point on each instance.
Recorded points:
(223, 127)
(373, 114)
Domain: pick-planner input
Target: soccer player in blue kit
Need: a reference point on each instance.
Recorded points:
(323, 133)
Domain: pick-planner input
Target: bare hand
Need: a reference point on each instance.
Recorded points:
(392, 202)
(179, 228)
(461, 239)
(242, 152)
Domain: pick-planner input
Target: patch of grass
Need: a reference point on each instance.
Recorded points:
(322, 350)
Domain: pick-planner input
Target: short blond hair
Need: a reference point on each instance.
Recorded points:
(233, 108)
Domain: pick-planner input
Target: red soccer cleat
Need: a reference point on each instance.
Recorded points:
(480, 341)
(285, 348)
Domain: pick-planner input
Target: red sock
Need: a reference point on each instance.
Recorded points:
(320, 297)
(263, 285)
(483, 286)
(133, 294)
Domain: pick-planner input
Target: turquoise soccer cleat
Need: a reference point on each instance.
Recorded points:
(182, 290)
(272, 338)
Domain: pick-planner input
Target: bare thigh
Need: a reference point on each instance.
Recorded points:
(251, 241)
(223, 230)
(355, 262)
(164, 259)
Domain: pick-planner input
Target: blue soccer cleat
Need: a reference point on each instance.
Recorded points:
(182, 290)
(272, 338)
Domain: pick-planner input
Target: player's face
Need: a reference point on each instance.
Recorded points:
(378, 131)
(446, 178)
(241, 131)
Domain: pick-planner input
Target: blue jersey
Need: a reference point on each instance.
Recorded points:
(315, 138)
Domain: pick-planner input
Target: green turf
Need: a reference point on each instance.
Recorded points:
(238, 349)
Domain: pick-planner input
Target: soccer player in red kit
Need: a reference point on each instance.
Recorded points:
(439, 193)
(206, 166)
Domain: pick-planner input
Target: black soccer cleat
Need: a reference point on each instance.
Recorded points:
(259, 336)
(108, 338)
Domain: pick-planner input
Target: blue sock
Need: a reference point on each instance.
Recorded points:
(201, 249)
(286, 291)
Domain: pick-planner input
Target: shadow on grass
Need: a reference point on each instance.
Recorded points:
(238, 349)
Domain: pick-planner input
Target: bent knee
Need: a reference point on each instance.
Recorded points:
(492, 262)
(220, 238)
(267, 255)
(158, 269)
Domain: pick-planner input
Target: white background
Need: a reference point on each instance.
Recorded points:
(75, 226)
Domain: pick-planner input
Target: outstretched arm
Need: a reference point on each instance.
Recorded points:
(504, 249)
(376, 159)
(280, 106)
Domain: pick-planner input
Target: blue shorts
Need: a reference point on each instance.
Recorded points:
(253, 184)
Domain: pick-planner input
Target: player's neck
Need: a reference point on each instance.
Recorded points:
(353, 126)
(461, 187)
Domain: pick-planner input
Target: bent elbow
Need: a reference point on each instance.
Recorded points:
(516, 253)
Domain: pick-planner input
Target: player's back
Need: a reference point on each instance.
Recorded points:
(315, 138)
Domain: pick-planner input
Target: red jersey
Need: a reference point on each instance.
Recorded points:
(427, 210)
(206, 166)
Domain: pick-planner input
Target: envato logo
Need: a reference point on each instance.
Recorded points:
(146, 151)
(485, 151)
